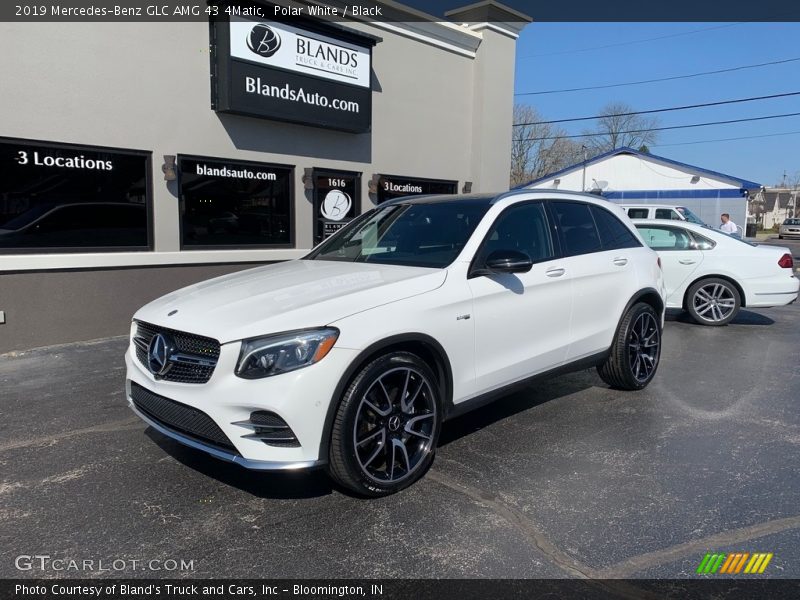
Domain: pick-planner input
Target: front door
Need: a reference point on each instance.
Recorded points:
(521, 319)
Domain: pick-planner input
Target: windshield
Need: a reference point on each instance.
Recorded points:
(690, 216)
(792, 222)
(416, 235)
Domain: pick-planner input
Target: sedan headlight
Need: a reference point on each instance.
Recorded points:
(276, 354)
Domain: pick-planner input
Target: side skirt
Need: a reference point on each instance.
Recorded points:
(456, 410)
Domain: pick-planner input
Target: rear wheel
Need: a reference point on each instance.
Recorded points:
(636, 350)
(713, 301)
(387, 426)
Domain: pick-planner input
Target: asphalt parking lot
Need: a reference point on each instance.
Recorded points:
(564, 479)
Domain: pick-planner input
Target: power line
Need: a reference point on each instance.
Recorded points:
(673, 78)
(631, 42)
(745, 137)
(596, 134)
(659, 110)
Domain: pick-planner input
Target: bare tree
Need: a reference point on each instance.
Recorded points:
(533, 157)
(617, 129)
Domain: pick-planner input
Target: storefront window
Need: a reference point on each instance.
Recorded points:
(234, 203)
(392, 186)
(61, 198)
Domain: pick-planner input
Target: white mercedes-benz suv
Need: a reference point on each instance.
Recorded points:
(417, 311)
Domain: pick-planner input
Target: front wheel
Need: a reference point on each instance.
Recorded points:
(636, 350)
(713, 301)
(386, 427)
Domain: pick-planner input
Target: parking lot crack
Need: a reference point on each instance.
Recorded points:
(520, 522)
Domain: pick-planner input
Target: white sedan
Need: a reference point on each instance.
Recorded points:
(712, 275)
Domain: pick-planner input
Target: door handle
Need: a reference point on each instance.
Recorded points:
(687, 261)
(555, 272)
(620, 262)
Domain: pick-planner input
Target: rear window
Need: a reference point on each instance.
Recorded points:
(613, 232)
(667, 213)
(578, 232)
(638, 213)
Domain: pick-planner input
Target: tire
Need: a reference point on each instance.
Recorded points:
(713, 301)
(636, 350)
(780, 237)
(379, 443)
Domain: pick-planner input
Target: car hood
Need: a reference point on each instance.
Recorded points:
(286, 296)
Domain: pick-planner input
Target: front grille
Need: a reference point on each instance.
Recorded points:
(270, 429)
(179, 417)
(193, 347)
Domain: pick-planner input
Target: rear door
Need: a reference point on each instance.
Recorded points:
(598, 251)
(680, 257)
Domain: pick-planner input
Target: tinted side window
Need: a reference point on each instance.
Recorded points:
(667, 213)
(666, 238)
(638, 213)
(524, 228)
(613, 233)
(578, 232)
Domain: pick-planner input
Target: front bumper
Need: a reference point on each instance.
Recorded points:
(301, 398)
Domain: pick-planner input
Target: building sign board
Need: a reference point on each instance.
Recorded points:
(392, 186)
(294, 73)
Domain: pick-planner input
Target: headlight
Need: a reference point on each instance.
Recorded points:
(276, 354)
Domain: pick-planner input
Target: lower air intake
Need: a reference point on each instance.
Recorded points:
(180, 418)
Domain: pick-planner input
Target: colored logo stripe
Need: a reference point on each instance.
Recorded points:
(734, 562)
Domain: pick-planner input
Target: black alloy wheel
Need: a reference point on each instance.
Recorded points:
(636, 350)
(387, 425)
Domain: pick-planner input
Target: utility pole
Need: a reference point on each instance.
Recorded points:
(583, 184)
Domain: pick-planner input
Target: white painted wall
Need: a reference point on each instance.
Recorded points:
(630, 172)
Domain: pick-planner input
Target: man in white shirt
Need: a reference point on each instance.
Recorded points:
(727, 225)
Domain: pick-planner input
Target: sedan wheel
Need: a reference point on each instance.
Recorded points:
(387, 425)
(713, 302)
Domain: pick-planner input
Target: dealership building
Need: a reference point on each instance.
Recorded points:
(137, 158)
(631, 177)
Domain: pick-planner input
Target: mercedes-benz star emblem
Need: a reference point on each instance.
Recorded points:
(158, 354)
(394, 423)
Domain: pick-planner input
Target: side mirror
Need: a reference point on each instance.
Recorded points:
(508, 261)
